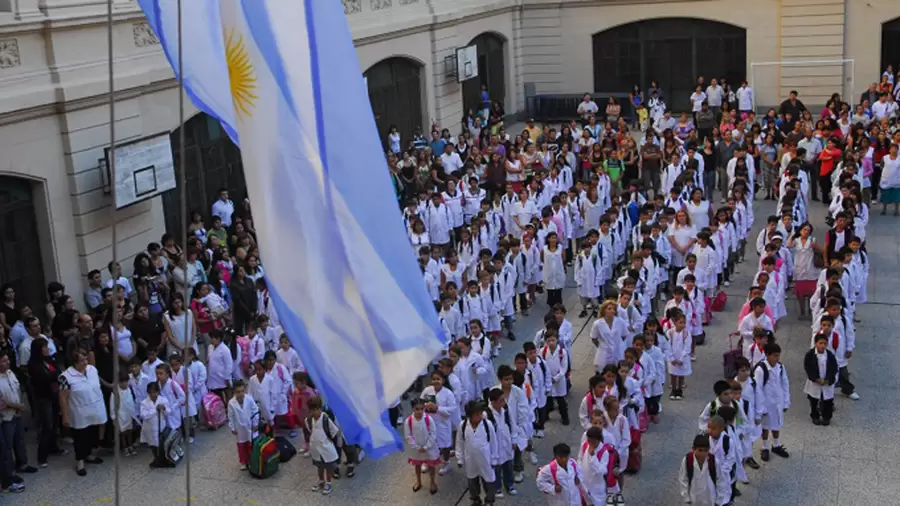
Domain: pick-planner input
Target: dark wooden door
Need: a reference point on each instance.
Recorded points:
(890, 47)
(21, 263)
(491, 72)
(395, 94)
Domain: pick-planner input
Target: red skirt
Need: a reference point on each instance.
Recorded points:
(429, 463)
(804, 288)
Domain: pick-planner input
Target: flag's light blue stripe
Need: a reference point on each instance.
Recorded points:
(330, 384)
(257, 16)
(345, 97)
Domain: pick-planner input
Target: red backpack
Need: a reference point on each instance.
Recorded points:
(611, 464)
(244, 344)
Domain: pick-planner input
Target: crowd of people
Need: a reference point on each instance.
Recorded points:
(499, 223)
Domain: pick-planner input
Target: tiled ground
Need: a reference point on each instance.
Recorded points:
(854, 461)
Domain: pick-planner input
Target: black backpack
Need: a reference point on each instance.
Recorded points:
(689, 467)
(462, 428)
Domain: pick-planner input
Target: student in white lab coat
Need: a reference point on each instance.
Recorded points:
(560, 480)
(593, 400)
(771, 376)
(283, 382)
(700, 482)
(586, 263)
(751, 399)
(618, 435)
(520, 417)
(657, 359)
(420, 434)
(128, 408)
(243, 418)
(263, 390)
(324, 440)
(443, 409)
(154, 416)
(723, 448)
(755, 318)
(182, 376)
(287, 355)
(821, 367)
(504, 426)
(476, 451)
(221, 366)
(174, 394)
(481, 345)
(557, 360)
(598, 461)
(679, 354)
(608, 333)
(542, 383)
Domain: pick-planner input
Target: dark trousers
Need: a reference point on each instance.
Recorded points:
(521, 302)
(84, 440)
(876, 180)
(820, 408)
(504, 476)
(844, 383)
(554, 297)
(475, 486)
(812, 173)
(825, 187)
(46, 419)
(653, 405)
(518, 465)
(562, 405)
(14, 435)
(6, 468)
(540, 417)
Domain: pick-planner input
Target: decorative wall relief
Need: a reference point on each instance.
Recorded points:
(9, 53)
(143, 35)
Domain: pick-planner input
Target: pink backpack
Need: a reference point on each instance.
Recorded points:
(214, 411)
(244, 343)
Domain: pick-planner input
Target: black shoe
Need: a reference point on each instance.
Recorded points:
(350, 472)
(826, 422)
(94, 460)
(752, 463)
(336, 474)
(16, 479)
(817, 421)
(735, 492)
(565, 422)
(781, 452)
(583, 313)
(27, 470)
(511, 336)
(764, 455)
(81, 472)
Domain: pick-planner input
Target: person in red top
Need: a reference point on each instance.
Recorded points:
(828, 158)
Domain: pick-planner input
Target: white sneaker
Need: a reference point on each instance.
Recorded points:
(854, 396)
(513, 491)
(361, 457)
(191, 440)
(444, 469)
(243, 467)
(424, 468)
(499, 495)
(727, 283)
(519, 478)
(533, 459)
(539, 434)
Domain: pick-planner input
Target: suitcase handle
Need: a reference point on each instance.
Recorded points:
(731, 342)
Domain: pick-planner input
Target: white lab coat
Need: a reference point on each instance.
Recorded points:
(541, 382)
(679, 349)
(554, 268)
(181, 378)
(702, 491)
(520, 415)
(570, 495)
(476, 450)
(174, 394)
(618, 435)
(289, 359)
(283, 384)
(152, 421)
(439, 221)
(243, 418)
(594, 469)
(504, 433)
(609, 340)
(776, 392)
(421, 435)
(446, 417)
(264, 392)
(750, 322)
(557, 363)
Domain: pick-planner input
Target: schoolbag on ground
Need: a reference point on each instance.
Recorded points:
(729, 358)
(286, 450)
(214, 411)
(264, 457)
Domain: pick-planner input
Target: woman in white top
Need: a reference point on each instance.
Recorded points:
(514, 170)
(682, 236)
(699, 209)
(890, 182)
(453, 270)
(806, 274)
(178, 336)
(418, 237)
(82, 408)
(697, 99)
(394, 140)
(124, 340)
(554, 269)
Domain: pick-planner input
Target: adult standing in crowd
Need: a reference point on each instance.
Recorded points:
(83, 409)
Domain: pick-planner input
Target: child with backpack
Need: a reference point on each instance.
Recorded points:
(821, 367)
(592, 400)
(771, 376)
(699, 478)
(324, 440)
(654, 351)
(560, 480)
(243, 413)
(619, 433)
(722, 448)
(420, 433)
(443, 409)
(679, 356)
(219, 372)
(476, 450)
(283, 383)
(542, 383)
(505, 428)
(722, 389)
(598, 462)
(745, 394)
(556, 360)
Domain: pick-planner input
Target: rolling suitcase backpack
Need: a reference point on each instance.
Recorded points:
(730, 357)
(264, 456)
(214, 411)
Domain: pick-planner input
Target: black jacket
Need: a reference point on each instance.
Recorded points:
(811, 366)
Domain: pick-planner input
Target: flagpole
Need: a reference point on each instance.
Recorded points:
(188, 316)
(111, 163)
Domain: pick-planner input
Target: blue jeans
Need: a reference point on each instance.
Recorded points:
(504, 475)
(14, 435)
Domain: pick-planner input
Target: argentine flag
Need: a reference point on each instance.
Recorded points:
(348, 294)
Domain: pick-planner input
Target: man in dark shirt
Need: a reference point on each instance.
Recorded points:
(651, 163)
(725, 152)
(83, 339)
(793, 106)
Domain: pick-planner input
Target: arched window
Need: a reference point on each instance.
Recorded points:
(395, 86)
(671, 51)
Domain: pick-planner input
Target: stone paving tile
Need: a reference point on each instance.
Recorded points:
(854, 461)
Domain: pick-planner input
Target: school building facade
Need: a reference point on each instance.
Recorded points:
(55, 217)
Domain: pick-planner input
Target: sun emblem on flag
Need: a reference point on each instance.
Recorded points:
(240, 74)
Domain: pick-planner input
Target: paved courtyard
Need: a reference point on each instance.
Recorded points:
(854, 461)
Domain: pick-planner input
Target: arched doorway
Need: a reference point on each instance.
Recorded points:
(395, 86)
(20, 251)
(672, 51)
(491, 72)
(213, 162)
(890, 45)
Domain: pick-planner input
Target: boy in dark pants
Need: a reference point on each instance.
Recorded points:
(821, 367)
